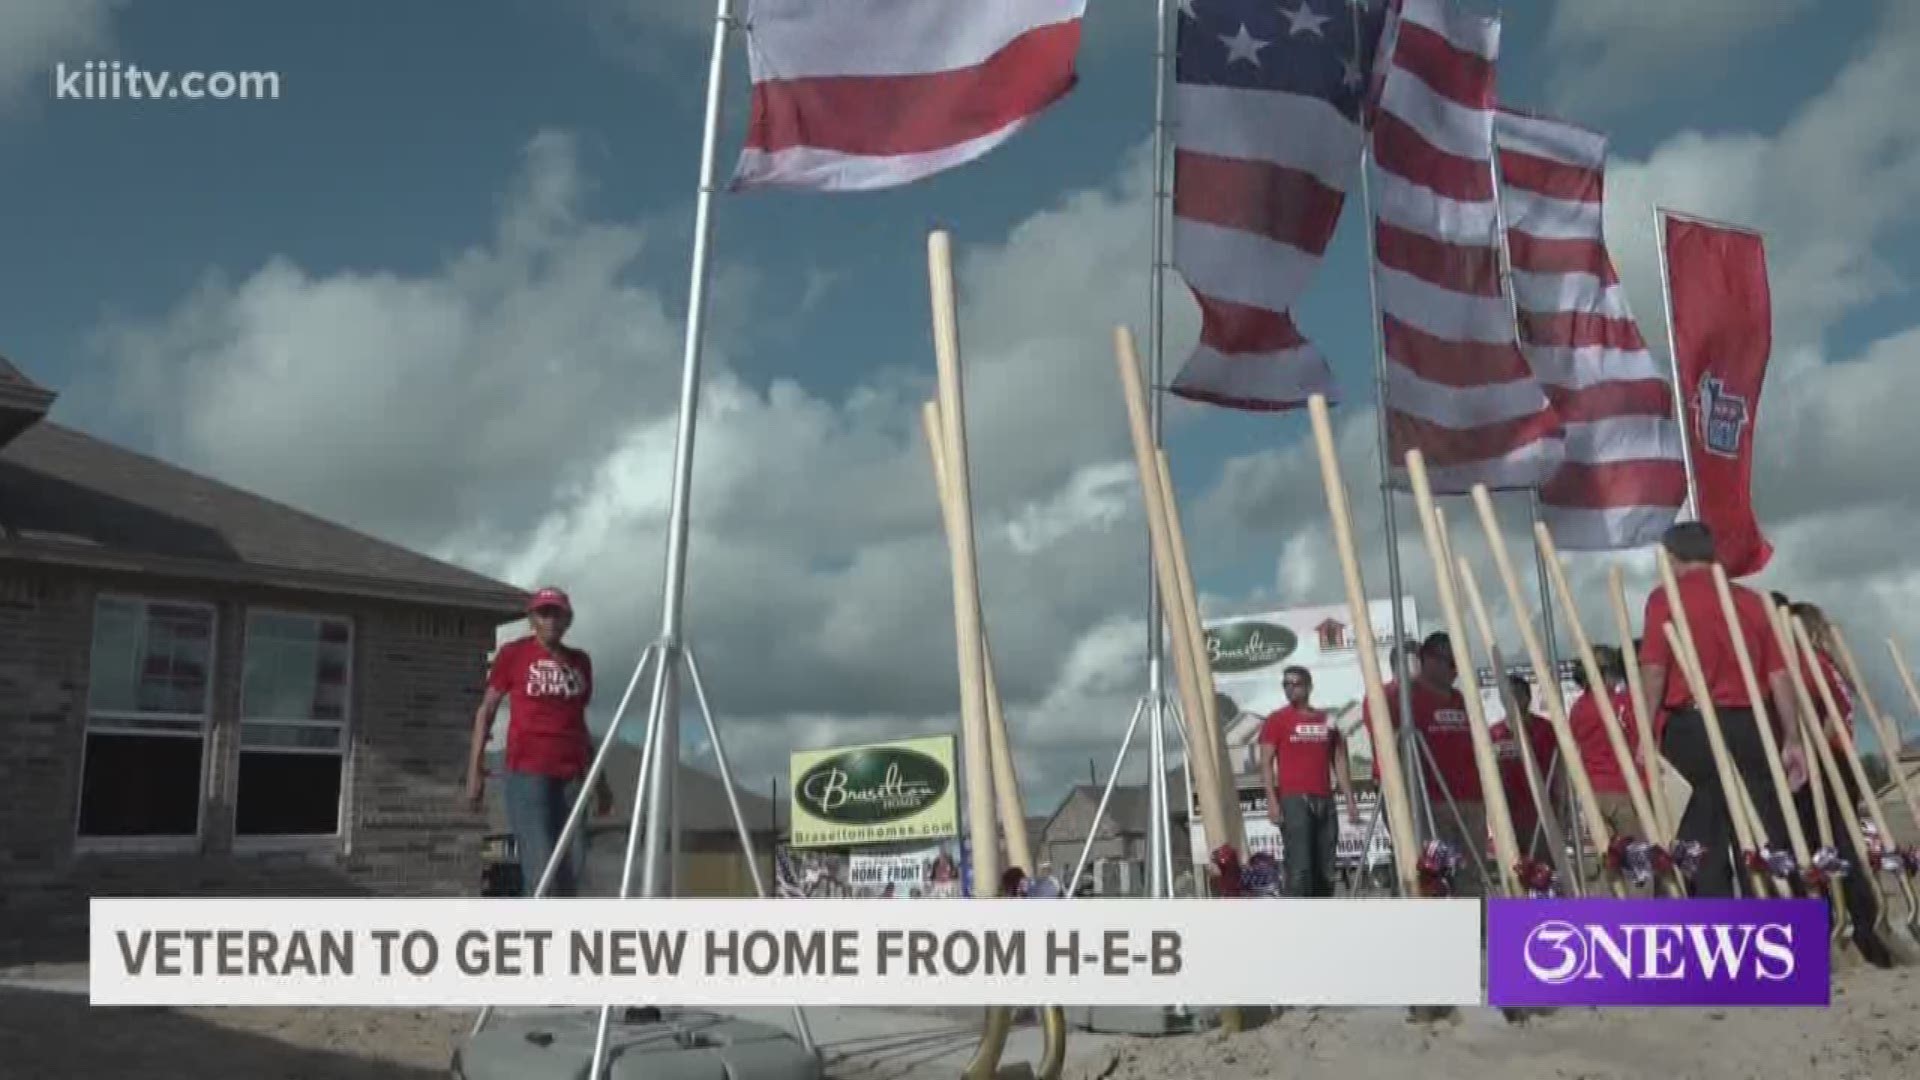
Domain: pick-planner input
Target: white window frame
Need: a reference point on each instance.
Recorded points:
(85, 844)
(340, 833)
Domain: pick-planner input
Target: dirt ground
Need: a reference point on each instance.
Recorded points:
(1872, 1031)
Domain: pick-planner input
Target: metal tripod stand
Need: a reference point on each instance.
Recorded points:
(1158, 711)
(653, 791)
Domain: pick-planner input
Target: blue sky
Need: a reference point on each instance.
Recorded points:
(402, 131)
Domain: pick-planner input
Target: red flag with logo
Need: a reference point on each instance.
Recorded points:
(1722, 338)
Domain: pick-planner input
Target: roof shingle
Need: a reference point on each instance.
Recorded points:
(66, 496)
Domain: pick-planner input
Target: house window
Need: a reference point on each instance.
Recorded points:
(148, 691)
(295, 682)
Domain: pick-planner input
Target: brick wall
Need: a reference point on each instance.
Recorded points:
(417, 677)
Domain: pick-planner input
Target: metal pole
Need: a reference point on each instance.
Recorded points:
(1692, 509)
(1100, 811)
(643, 789)
(658, 874)
(739, 818)
(1411, 764)
(1156, 354)
(664, 736)
(1157, 884)
(1186, 756)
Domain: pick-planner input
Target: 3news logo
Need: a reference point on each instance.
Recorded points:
(1658, 953)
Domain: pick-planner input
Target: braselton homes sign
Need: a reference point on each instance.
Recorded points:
(880, 793)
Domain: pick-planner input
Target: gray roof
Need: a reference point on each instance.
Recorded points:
(67, 497)
(1127, 809)
(22, 401)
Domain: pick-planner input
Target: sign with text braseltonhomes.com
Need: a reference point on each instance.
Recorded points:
(1658, 952)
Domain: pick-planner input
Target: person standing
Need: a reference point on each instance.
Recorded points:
(1450, 770)
(1588, 723)
(1680, 727)
(1513, 771)
(547, 685)
(1302, 757)
(1861, 908)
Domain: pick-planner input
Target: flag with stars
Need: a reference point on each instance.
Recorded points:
(1267, 112)
(1458, 387)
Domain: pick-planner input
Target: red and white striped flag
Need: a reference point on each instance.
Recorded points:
(856, 95)
(1458, 388)
(1624, 479)
(1267, 137)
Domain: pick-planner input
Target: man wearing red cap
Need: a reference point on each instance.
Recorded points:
(547, 685)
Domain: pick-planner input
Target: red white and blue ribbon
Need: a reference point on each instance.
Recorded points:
(1538, 878)
(1439, 862)
(1827, 865)
(1687, 856)
(1638, 859)
(1771, 860)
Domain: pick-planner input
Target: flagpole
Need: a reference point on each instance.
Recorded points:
(1159, 846)
(1673, 366)
(1411, 764)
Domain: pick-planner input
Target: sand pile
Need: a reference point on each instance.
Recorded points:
(1872, 1031)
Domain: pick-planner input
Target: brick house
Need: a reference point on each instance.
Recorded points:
(206, 692)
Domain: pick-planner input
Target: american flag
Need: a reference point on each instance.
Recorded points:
(1624, 480)
(855, 95)
(1458, 387)
(1267, 138)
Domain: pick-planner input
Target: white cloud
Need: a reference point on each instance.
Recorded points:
(36, 34)
(513, 410)
(1618, 52)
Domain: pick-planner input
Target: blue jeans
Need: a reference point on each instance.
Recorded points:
(537, 809)
(1310, 835)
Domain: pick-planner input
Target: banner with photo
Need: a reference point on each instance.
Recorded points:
(1249, 652)
(880, 793)
(904, 871)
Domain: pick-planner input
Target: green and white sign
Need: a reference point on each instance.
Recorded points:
(881, 793)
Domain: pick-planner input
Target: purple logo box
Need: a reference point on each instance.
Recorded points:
(1658, 952)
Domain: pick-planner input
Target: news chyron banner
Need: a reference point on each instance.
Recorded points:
(718, 953)
(879, 793)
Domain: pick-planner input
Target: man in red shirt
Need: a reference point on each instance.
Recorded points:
(1513, 771)
(1440, 718)
(1679, 725)
(1596, 749)
(547, 685)
(1301, 757)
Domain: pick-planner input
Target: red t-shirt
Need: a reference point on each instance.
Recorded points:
(1596, 750)
(1303, 742)
(547, 697)
(1441, 717)
(1513, 770)
(1718, 664)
